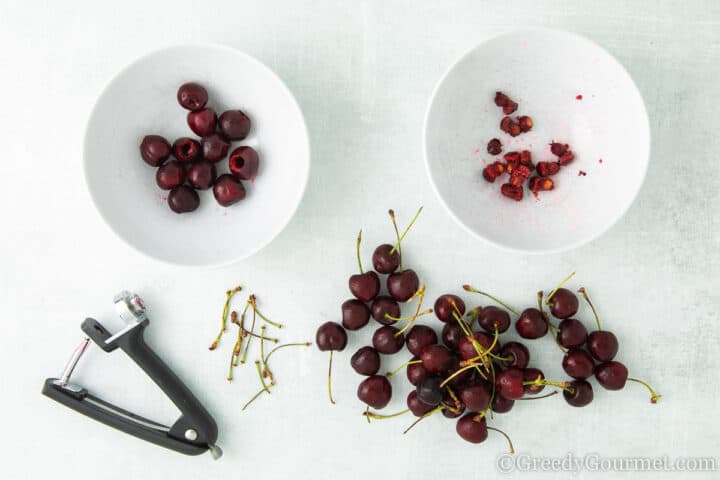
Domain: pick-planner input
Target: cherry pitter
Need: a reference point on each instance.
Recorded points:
(195, 432)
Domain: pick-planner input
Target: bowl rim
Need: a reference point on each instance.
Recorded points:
(304, 180)
(539, 251)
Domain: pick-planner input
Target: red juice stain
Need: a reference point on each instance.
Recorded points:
(476, 151)
(600, 161)
(578, 97)
(581, 173)
(537, 197)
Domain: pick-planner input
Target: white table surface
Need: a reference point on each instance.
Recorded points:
(362, 72)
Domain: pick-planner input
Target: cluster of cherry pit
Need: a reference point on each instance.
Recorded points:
(466, 372)
(519, 165)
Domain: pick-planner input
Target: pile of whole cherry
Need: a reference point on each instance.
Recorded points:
(467, 371)
(193, 166)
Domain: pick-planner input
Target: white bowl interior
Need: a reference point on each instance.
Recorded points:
(141, 100)
(544, 71)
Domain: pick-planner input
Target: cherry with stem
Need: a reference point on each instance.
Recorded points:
(469, 288)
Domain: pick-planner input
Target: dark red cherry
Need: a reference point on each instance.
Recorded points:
(170, 175)
(355, 314)
(564, 303)
(578, 363)
(192, 96)
(579, 393)
(531, 324)
(461, 379)
(436, 358)
(476, 396)
(417, 407)
(517, 353)
(214, 147)
(201, 175)
(571, 333)
(451, 335)
(467, 349)
(501, 404)
(530, 375)
(244, 163)
(234, 124)
(365, 286)
(603, 345)
(444, 307)
(331, 336)
(375, 391)
(491, 317)
(429, 391)
(454, 407)
(154, 149)
(416, 372)
(384, 261)
(384, 305)
(186, 150)
(611, 375)
(366, 361)
(471, 429)
(509, 383)
(202, 122)
(403, 285)
(228, 190)
(183, 199)
(386, 341)
(419, 337)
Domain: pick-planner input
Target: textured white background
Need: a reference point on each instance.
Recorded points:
(362, 73)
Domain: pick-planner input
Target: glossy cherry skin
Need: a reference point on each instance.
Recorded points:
(491, 317)
(518, 354)
(375, 391)
(578, 364)
(228, 190)
(444, 307)
(386, 341)
(403, 285)
(192, 96)
(415, 372)
(428, 390)
(384, 261)
(234, 124)
(366, 361)
(571, 333)
(467, 349)
(183, 199)
(530, 375)
(244, 163)
(214, 147)
(419, 337)
(581, 393)
(383, 305)
(201, 175)
(154, 149)
(501, 404)
(451, 335)
(436, 358)
(603, 345)
(186, 150)
(531, 324)
(416, 406)
(454, 407)
(612, 375)
(365, 286)
(509, 383)
(476, 396)
(170, 175)
(470, 429)
(202, 122)
(461, 379)
(355, 314)
(331, 336)
(564, 303)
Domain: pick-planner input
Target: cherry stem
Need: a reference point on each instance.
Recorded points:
(512, 450)
(456, 373)
(357, 251)
(473, 314)
(299, 344)
(223, 319)
(549, 297)
(539, 381)
(265, 370)
(247, 344)
(551, 326)
(421, 294)
(329, 381)
(260, 375)
(253, 302)
(253, 334)
(378, 416)
(235, 357)
(407, 229)
(434, 410)
(554, 392)
(397, 235)
(468, 288)
(402, 319)
(654, 396)
(404, 365)
(585, 295)
(254, 398)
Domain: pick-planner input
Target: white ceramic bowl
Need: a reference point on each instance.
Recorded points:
(544, 71)
(141, 100)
